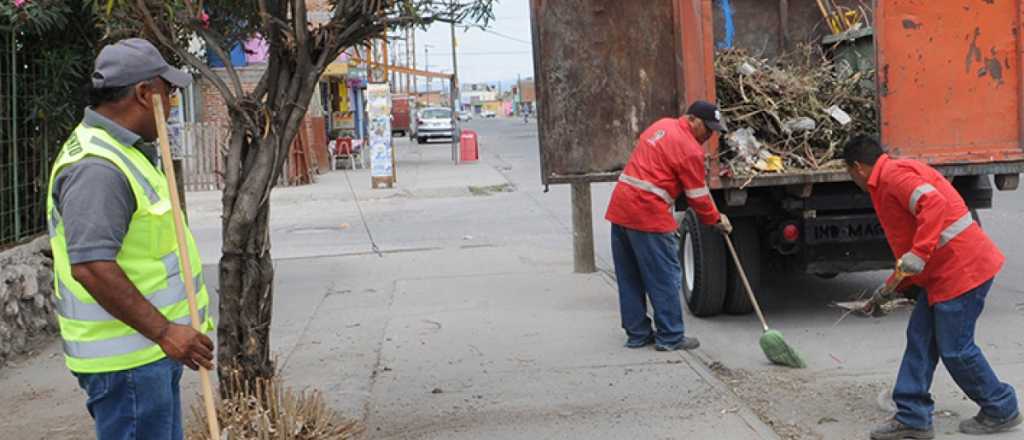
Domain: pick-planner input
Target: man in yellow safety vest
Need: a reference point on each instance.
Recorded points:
(121, 300)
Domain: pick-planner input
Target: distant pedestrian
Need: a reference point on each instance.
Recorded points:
(952, 263)
(121, 300)
(666, 163)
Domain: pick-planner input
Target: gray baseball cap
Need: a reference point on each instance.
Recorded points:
(132, 60)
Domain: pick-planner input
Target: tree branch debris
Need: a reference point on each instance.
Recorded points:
(794, 114)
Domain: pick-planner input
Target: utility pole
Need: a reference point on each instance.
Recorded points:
(519, 93)
(426, 52)
(415, 79)
(384, 55)
(408, 45)
(456, 99)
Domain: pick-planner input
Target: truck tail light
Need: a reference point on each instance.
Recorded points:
(791, 233)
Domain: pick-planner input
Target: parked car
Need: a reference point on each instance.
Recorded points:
(465, 116)
(488, 114)
(433, 123)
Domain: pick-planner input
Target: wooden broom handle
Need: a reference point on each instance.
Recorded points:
(746, 284)
(183, 250)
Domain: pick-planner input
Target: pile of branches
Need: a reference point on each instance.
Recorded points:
(790, 106)
(265, 409)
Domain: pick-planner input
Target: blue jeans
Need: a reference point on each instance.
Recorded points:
(647, 266)
(142, 403)
(946, 331)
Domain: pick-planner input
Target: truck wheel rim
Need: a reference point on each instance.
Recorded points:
(689, 270)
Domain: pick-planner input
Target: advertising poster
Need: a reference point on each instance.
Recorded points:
(378, 112)
(175, 126)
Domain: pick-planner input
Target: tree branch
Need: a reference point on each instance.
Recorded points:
(301, 30)
(212, 42)
(230, 99)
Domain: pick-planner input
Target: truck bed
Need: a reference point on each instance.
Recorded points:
(811, 177)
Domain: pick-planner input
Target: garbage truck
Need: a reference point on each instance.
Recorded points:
(949, 91)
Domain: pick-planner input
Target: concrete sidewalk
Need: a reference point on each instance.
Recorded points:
(469, 324)
(324, 218)
(521, 349)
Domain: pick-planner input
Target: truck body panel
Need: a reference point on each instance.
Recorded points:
(951, 89)
(949, 80)
(401, 115)
(604, 72)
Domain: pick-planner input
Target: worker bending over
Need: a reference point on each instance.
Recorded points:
(952, 262)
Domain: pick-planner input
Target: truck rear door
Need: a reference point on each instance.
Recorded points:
(950, 80)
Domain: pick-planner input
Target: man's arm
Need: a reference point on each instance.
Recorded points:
(695, 188)
(112, 290)
(928, 207)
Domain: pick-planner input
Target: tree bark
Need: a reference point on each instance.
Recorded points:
(246, 267)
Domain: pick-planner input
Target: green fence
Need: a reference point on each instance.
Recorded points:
(25, 145)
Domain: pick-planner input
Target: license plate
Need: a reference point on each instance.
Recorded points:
(843, 229)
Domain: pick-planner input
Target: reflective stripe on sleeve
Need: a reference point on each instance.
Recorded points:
(919, 192)
(696, 193)
(644, 185)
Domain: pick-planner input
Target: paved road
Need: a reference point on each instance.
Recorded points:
(850, 364)
(472, 326)
(470, 323)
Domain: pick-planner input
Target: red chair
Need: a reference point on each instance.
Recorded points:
(343, 149)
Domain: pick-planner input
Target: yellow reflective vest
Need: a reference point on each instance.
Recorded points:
(95, 341)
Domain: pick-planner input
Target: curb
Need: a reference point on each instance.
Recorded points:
(698, 362)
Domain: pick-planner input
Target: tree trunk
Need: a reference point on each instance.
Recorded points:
(246, 279)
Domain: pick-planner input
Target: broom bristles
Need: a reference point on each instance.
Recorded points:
(779, 352)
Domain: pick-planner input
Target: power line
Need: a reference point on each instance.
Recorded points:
(522, 52)
(507, 37)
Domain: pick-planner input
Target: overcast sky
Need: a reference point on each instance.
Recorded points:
(499, 53)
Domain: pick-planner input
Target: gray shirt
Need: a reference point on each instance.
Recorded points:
(95, 199)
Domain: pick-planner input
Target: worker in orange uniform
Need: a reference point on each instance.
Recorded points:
(667, 162)
(952, 263)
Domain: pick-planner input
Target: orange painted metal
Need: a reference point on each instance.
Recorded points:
(695, 62)
(951, 89)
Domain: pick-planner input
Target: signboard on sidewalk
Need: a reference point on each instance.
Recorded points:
(378, 112)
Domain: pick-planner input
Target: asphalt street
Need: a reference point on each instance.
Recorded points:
(851, 363)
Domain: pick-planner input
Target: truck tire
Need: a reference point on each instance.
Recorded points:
(748, 246)
(420, 140)
(702, 257)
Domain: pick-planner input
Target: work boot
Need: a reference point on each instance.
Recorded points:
(893, 429)
(982, 424)
(640, 343)
(684, 344)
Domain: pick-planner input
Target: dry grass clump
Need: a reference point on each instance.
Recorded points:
(267, 410)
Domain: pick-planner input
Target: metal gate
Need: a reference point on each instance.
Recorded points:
(25, 149)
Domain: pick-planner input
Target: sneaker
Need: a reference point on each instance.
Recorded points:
(684, 344)
(893, 429)
(982, 424)
(640, 343)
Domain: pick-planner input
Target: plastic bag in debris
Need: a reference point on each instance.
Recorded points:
(746, 69)
(799, 125)
(839, 115)
(744, 144)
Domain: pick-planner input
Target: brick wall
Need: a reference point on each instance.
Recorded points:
(212, 108)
